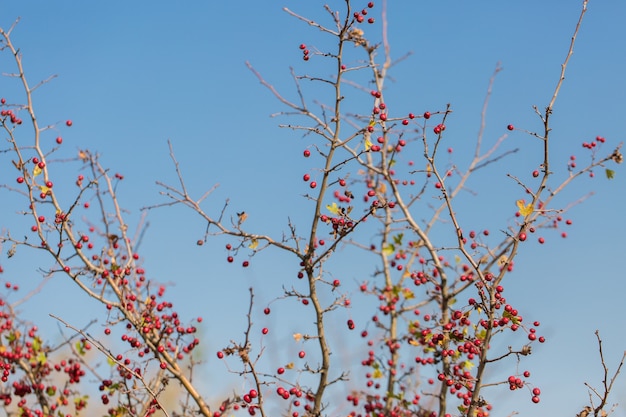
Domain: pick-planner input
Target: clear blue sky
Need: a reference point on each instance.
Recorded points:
(132, 75)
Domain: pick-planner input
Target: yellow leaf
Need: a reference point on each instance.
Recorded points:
(253, 244)
(524, 210)
(44, 189)
(36, 171)
(468, 365)
(290, 365)
(408, 294)
(372, 123)
(368, 143)
(333, 208)
(297, 337)
(414, 342)
(388, 249)
(377, 373)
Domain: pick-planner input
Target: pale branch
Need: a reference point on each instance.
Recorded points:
(311, 22)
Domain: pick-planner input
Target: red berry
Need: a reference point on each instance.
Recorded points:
(370, 5)
(427, 115)
(370, 20)
(307, 153)
(163, 365)
(302, 46)
(535, 399)
(535, 173)
(306, 177)
(405, 122)
(68, 123)
(301, 354)
(541, 240)
(280, 371)
(265, 330)
(220, 354)
(313, 184)
(245, 264)
(522, 236)
(510, 127)
(266, 311)
(20, 180)
(59, 140)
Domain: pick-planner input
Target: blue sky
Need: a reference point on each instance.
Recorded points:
(133, 75)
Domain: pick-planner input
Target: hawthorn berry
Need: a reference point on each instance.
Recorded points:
(301, 354)
(510, 127)
(427, 115)
(307, 153)
(68, 123)
(220, 354)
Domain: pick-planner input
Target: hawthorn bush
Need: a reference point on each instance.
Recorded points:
(436, 334)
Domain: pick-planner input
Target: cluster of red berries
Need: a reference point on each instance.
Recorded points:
(439, 128)
(516, 383)
(360, 16)
(9, 113)
(593, 144)
(305, 52)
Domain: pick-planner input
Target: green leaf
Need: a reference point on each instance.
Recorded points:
(80, 347)
(397, 239)
(41, 358)
(610, 174)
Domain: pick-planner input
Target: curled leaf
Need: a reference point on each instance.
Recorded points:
(253, 244)
(610, 174)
